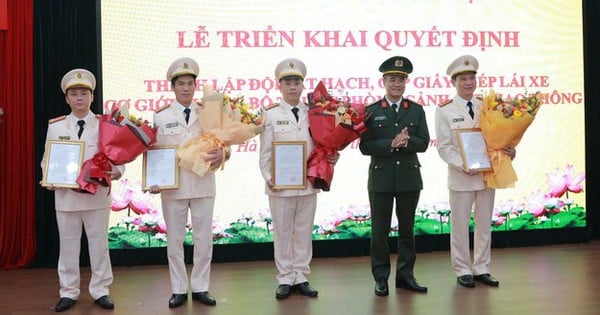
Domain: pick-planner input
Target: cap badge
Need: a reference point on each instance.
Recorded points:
(79, 76)
(291, 65)
(466, 62)
(185, 65)
(399, 63)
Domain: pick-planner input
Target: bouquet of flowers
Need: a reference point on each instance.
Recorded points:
(333, 125)
(225, 121)
(121, 139)
(241, 110)
(503, 123)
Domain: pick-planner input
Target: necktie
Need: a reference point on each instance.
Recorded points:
(395, 107)
(470, 105)
(295, 111)
(80, 123)
(186, 112)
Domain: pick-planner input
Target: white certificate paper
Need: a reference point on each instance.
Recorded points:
(160, 168)
(289, 165)
(62, 163)
(473, 149)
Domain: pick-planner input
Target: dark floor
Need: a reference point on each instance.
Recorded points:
(558, 279)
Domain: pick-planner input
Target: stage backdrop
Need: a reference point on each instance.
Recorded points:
(522, 48)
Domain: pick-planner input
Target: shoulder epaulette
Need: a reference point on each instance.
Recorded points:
(55, 119)
(272, 106)
(444, 103)
(162, 108)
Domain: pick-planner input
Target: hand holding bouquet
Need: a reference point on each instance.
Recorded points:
(503, 123)
(225, 121)
(334, 124)
(121, 139)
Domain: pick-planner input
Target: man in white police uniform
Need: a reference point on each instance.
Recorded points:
(177, 122)
(292, 210)
(76, 209)
(467, 190)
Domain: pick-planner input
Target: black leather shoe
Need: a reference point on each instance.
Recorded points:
(305, 289)
(177, 300)
(465, 281)
(105, 302)
(410, 284)
(283, 291)
(486, 278)
(381, 288)
(204, 298)
(64, 304)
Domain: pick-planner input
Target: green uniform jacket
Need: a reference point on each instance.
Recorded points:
(394, 170)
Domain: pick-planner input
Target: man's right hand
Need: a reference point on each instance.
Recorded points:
(401, 139)
(271, 186)
(471, 172)
(50, 187)
(154, 189)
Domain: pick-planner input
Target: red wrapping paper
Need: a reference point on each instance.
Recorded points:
(123, 143)
(119, 142)
(93, 173)
(329, 133)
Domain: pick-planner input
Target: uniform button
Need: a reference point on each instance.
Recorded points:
(396, 124)
(397, 162)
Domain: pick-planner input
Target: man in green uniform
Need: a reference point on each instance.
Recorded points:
(396, 132)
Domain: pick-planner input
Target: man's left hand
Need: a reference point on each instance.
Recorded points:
(333, 158)
(510, 151)
(114, 173)
(215, 156)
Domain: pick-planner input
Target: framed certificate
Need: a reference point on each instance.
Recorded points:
(288, 164)
(62, 163)
(160, 168)
(473, 149)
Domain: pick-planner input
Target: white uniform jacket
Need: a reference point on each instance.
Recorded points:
(281, 125)
(66, 128)
(173, 130)
(449, 118)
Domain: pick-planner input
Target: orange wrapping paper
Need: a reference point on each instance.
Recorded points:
(221, 128)
(500, 131)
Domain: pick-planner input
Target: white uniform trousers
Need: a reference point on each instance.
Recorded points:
(70, 225)
(461, 204)
(175, 213)
(293, 219)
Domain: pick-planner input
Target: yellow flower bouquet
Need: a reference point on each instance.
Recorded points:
(225, 121)
(503, 123)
